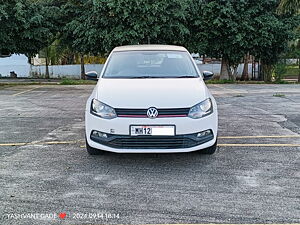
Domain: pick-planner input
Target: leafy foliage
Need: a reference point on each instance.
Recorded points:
(100, 25)
(25, 26)
(231, 29)
(279, 70)
(219, 28)
(289, 6)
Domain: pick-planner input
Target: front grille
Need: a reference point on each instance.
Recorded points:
(152, 142)
(176, 112)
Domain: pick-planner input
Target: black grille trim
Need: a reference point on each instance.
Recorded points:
(161, 112)
(152, 142)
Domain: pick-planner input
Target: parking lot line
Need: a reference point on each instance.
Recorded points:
(249, 137)
(59, 142)
(233, 223)
(221, 145)
(259, 145)
(81, 141)
(23, 92)
(12, 144)
(230, 90)
(41, 143)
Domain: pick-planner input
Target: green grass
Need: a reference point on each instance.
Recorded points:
(281, 82)
(247, 82)
(292, 71)
(67, 81)
(220, 82)
(76, 82)
(234, 82)
(279, 95)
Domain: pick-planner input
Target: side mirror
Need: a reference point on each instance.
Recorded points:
(92, 75)
(207, 75)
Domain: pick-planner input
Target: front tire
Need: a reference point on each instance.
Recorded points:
(91, 150)
(210, 150)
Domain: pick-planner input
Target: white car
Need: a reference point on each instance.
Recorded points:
(151, 99)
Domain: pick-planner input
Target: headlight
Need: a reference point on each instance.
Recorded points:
(102, 110)
(201, 110)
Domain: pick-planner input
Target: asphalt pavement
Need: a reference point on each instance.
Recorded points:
(46, 176)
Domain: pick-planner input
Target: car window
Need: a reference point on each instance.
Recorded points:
(152, 64)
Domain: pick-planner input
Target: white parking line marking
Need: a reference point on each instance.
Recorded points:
(12, 144)
(259, 145)
(249, 137)
(23, 92)
(232, 224)
(221, 145)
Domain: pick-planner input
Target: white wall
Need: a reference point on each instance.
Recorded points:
(61, 71)
(18, 64)
(73, 71)
(216, 68)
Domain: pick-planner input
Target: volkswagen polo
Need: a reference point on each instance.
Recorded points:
(150, 99)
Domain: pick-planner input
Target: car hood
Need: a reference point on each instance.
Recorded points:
(145, 93)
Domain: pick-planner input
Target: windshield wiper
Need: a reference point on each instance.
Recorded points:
(145, 77)
(186, 76)
(142, 77)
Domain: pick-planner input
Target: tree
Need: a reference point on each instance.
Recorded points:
(289, 6)
(52, 13)
(231, 29)
(294, 51)
(24, 27)
(245, 73)
(98, 26)
(292, 7)
(143, 21)
(78, 33)
(221, 29)
(273, 32)
(27, 26)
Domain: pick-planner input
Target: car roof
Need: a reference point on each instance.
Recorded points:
(149, 48)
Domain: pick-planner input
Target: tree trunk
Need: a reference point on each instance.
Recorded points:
(82, 67)
(267, 72)
(233, 75)
(299, 70)
(47, 75)
(224, 74)
(245, 74)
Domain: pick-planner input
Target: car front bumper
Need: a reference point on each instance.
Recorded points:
(119, 140)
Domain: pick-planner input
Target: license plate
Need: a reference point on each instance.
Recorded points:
(152, 130)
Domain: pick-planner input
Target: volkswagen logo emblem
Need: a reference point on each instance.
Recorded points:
(152, 113)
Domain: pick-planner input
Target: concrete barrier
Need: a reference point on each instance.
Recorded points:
(20, 70)
(63, 71)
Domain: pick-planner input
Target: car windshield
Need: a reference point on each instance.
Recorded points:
(150, 64)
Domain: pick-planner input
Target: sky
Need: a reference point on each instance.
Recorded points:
(14, 60)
